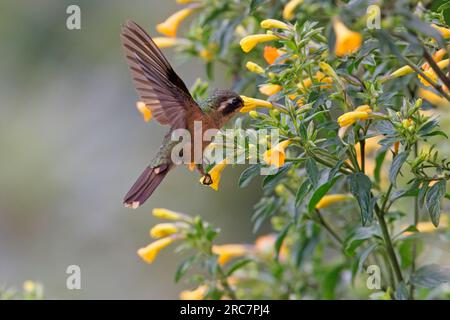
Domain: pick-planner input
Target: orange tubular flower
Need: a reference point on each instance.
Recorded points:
(271, 54)
(170, 26)
(277, 155)
(347, 41)
(437, 56)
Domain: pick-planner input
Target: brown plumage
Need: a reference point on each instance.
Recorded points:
(162, 90)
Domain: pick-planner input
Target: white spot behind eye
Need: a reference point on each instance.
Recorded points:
(224, 104)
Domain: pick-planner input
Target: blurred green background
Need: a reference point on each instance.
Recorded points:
(72, 143)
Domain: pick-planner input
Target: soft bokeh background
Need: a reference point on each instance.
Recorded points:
(72, 144)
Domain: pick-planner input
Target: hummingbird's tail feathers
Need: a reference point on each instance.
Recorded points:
(144, 186)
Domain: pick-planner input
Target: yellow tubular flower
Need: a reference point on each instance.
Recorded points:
(349, 118)
(289, 8)
(445, 32)
(149, 253)
(168, 214)
(433, 98)
(165, 42)
(324, 79)
(162, 230)
(252, 103)
(330, 199)
(227, 252)
(186, 1)
(273, 24)
(144, 110)
(277, 155)
(249, 42)
(269, 89)
(403, 71)
(215, 174)
(170, 26)
(253, 67)
(347, 41)
(430, 74)
(196, 294)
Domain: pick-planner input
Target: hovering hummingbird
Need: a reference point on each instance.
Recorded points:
(170, 102)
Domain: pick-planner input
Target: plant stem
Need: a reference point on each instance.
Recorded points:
(388, 243)
(416, 220)
(226, 286)
(328, 228)
(362, 145)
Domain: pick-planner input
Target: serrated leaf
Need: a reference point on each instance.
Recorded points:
(360, 187)
(433, 201)
(248, 174)
(396, 166)
(430, 276)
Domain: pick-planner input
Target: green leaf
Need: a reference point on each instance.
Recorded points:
(320, 192)
(330, 282)
(360, 185)
(358, 237)
(312, 171)
(422, 193)
(248, 174)
(272, 180)
(402, 292)
(433, 201)
(378, 164)
(396, 165)
(280, 239)
(362, 257)
(430, 276)
(183, 268)
(302, 192)
(237, 265)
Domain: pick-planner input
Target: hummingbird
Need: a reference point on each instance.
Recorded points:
(171, 104)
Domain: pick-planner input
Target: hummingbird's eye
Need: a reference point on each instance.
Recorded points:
(236, 102)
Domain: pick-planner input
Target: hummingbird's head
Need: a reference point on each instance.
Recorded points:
(225, 102)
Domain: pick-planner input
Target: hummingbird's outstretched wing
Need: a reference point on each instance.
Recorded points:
(156, 82)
